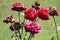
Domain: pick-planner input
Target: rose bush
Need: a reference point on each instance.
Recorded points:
(21, 28)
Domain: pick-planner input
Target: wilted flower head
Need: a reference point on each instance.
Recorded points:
(32, 27)
(18, 7)
(53, 11)
(15, 26)
(36, 5)
(9, 19)
(43, 14)
(30, 14)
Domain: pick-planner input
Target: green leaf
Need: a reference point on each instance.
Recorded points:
(52, 38)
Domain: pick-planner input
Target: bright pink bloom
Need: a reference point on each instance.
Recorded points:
(18, 7)
(43, 14)
(32, 27)
(30, 14)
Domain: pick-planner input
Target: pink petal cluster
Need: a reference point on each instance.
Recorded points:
(32, 27)
(18, 7)
(30, 14)
(43, 14)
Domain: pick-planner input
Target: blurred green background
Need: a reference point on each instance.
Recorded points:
(48, 29)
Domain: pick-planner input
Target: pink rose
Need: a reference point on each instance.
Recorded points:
(32, 27)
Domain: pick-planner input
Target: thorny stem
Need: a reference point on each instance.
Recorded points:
(56, 28)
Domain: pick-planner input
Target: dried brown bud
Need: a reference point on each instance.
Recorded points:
(15, 26)
(9, 19)
(53, 11)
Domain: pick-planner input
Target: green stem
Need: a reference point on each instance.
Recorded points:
(22, 28)
(15, 35)
(37, 19)
(19, 34)
(25, 36)
(56, 28)
(19, 16)
(30, 37)
(24, 21)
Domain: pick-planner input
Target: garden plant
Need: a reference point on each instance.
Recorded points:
(27, 25)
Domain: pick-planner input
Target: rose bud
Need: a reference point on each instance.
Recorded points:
(36, 5)
(43, 14)
(9, 19)
(18, 7)
(15, 26)
(32, 27)
(30, 14)
(53, 11)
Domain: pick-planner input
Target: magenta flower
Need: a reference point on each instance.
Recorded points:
(9, 19)
(43, 14)
(30, 14)
(18, 7)
(32, 27)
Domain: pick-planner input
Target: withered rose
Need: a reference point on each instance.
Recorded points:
(15, 26)
(9, 19)
(53, 11)
(36, 5)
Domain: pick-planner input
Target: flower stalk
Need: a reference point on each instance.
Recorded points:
(56, 28)
(25, 36)
(19, 16)
(29, 37)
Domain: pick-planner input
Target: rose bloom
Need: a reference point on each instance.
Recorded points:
(15, 26)
(9, 19)
(53, 11)
(36, 5)
(43, 14)
(30, 14)
(32, 27)
(18, 7)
